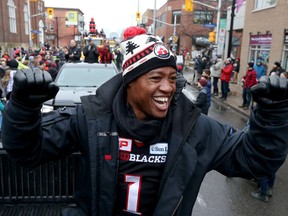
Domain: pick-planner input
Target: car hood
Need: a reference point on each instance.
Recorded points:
(70, 96)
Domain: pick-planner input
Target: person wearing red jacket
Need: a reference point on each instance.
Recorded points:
(249, 80)
(225, 78)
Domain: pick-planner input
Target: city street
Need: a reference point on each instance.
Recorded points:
(222, 196)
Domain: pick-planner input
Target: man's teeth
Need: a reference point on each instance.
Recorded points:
(162, 99)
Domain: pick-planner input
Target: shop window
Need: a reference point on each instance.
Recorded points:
(261, 4)
(259, 52)
(203, 17)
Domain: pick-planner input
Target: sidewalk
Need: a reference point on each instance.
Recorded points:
(234, 98)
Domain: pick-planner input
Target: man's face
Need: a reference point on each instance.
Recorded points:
(72, 43)
(150, 95)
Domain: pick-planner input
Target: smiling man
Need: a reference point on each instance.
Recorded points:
(145, 146)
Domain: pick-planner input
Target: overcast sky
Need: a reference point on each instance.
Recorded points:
(111, 15)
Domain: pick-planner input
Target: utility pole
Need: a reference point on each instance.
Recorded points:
(218, 20)
(154, 19)
(29, 24)
(231, 28)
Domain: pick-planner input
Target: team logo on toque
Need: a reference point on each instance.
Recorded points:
(161, 51)
(143, 53)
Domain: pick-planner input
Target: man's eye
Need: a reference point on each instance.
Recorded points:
(173, 78)
(155, 78)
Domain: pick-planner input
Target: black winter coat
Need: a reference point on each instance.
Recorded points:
(198, 144)
(91, 55)
(202, 101)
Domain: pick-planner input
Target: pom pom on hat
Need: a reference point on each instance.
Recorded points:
(133, 31)
(142, 53)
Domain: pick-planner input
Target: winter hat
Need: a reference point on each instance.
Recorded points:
(250, 64)
(277, 64)
(142, 53)
(12, 63)
(203, 82)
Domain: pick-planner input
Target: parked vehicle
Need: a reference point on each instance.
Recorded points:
(76, 80)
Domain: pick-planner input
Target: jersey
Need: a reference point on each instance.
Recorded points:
(140, 171)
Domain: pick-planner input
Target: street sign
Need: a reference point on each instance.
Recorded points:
(209, 25)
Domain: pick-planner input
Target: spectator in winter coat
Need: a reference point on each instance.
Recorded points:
(73, 54)
(202, 65)
(226, 72)
(276, 69)
(187, 60)
(201, 100)
(145, 147)
(91, 52)
(249, 80)
(206, 74)
(215, 74)
(236, 68)
(260, 69)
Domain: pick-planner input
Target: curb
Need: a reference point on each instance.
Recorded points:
(242, 112)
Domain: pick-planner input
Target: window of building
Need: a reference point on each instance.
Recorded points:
(285, 58)
(261, 4)
(26, 20)
(162, 20)
(12, 16)
(203, 17)
(178, 16)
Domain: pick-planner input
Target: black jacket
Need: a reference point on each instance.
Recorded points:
(76, 54)
(202, 101)
(198, 144)
(91, 55)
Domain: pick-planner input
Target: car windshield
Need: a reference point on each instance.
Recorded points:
(84, 77)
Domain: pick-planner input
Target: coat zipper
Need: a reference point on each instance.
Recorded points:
(177, 206)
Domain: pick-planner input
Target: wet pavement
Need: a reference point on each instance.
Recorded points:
(223, 196)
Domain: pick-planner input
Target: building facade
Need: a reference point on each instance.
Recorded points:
(15, 26)
(191, 28)
(265, 34)
(63, 25)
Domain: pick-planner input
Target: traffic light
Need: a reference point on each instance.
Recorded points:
(212, 36)
(92, 26)
(189, 5)
(138, 16)
(50, 12)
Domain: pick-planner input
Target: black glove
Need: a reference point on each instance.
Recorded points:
(32, 88)
(271, 92)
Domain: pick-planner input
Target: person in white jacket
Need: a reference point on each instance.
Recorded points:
(215, 73)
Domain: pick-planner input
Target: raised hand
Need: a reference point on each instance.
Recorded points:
(271, 92)
(32, 88)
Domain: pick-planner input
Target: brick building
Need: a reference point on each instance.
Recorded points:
(14, 23)
(190, 26)
(63, 25)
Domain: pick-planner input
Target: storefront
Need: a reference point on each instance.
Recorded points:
(259, 48)
(285, 50)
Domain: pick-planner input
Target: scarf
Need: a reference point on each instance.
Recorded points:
(147, 131)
